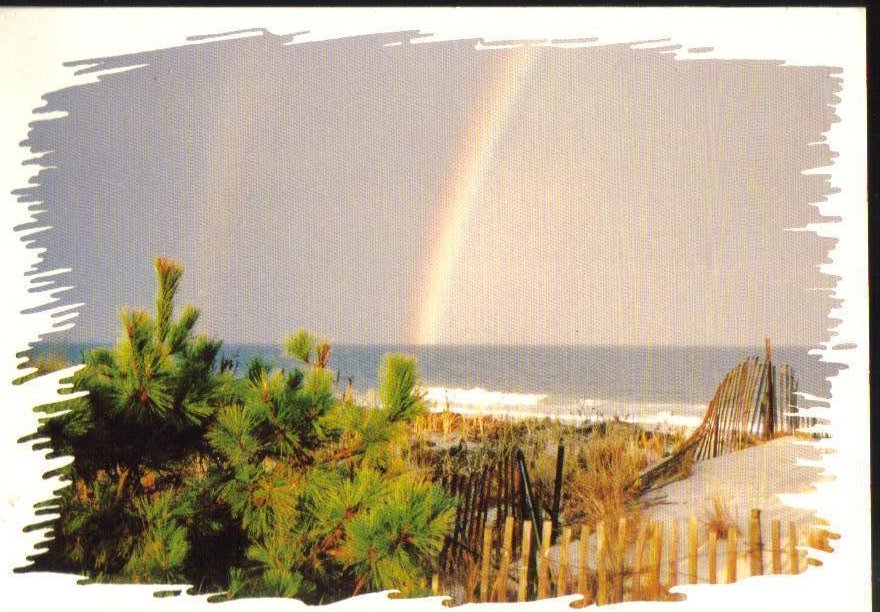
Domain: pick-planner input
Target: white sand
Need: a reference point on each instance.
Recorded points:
(746, 479)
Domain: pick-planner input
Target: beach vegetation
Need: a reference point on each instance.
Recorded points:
(717, 517)
(265, 484)
(602, 459)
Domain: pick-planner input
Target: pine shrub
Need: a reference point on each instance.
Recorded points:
(266, 484)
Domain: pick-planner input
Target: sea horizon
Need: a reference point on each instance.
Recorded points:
(616, 377)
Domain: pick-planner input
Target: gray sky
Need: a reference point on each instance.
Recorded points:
(630, 198)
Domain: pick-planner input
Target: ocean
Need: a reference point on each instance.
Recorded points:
(668, 383)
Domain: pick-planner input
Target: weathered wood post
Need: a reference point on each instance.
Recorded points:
(506, 558)
(544, 560)
(471, 495)
(485, 562)
(602, 578)
(637, 561)
(731, 554)
(793, 561)
(524, 561)
(771, 408)
(620, 572)
(557, 490)
(479, 519)
(656, 557)
(775, 552)
(516, 491)
(562, 579)
(497, 496)
(713, 557)
(756, 562)
(584, 560)
(531, 510)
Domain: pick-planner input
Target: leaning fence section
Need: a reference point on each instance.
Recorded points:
(487, 495)
(757, 400)
(621, 560)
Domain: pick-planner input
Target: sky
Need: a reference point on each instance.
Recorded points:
(376, 192)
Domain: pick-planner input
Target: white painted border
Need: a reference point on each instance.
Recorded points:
(35, 42)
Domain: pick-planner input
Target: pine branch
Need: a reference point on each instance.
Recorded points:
(168, 273)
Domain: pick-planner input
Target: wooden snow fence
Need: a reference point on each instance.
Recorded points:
(491, 493)
(757, 400)
(624, 562)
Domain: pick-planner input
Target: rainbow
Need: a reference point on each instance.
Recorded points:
(461, 190)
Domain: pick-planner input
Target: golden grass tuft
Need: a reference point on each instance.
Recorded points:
(716, 516)
(607, 462)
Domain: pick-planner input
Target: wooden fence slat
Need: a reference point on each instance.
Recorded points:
(524, 561)
(713, 558)
(460, 491)
(693, 534)
(657, 552)
(506, 558)
(472, 576)
(516, 492)
(637, 561)
(584, 560)
(485, 561)
(721, 415)
(748, 395)
(771, 399)
(792, 549)
(620, 570)
(782, 403)
(731, 555)
(562, 579)
(728, 425)
(544, 560)
(761, 393)
(775, 552)
(756, 562)
(711, 440)
(469, 496)
(759, 399)
(500, 501)
(706, 441)
(738, 405)
(485, 498)
(726, 410)
(602, 586)
(476, 528)
(488, 498)
(709, 427)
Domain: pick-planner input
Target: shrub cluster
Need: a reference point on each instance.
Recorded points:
(264, 484)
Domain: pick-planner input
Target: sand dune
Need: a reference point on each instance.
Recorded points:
(751, 478)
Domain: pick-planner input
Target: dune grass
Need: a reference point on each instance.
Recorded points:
(602, 460)
(717, 517)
